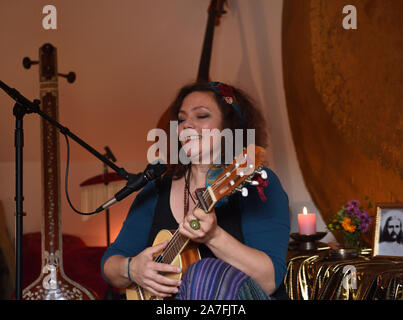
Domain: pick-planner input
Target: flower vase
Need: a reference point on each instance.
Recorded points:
(352, 240)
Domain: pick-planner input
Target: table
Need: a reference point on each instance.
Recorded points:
(316, 275)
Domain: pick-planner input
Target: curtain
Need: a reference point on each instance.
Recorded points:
(344, 100)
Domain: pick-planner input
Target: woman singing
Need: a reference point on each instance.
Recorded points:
(243, 241)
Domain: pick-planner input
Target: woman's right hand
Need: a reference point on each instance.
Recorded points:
(149, 274)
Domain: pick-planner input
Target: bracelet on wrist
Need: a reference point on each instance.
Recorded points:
(128, 269)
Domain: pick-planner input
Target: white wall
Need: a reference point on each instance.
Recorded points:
(130, 58)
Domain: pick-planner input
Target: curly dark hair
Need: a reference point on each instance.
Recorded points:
(252, 117)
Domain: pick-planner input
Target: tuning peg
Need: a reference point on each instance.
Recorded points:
(71, 76)
(27, 62)
(263, 174)
(244, 192)
(254, 183)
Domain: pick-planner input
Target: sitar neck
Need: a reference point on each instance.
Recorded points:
(50, 150)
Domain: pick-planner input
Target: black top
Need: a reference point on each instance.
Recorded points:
(228, 216)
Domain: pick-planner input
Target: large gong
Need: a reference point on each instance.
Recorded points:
(344, 92)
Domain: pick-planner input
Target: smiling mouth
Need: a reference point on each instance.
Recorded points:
(189, 138)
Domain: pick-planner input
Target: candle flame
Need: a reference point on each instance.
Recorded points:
(305, 210)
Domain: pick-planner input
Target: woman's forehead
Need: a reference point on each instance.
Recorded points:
(197, 100)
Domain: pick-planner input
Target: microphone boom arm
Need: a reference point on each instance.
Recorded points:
(136, 182)
(33, 107)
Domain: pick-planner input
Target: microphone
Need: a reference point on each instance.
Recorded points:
(136, 182)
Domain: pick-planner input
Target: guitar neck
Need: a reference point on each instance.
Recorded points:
(241, 171)
(174, 248)
(179, 241)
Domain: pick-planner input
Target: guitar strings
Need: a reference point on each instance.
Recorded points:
(177, 235)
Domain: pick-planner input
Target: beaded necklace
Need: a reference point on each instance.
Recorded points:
(186, 192)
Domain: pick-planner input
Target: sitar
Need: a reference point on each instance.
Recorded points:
(182, 252)
(52, 283)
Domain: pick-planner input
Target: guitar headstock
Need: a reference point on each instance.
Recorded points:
(240, 172)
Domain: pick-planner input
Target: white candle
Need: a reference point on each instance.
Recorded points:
(307, 222)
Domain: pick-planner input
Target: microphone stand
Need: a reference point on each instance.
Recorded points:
(19, 111)
(22, 107)
(107, 217)
(110, 295)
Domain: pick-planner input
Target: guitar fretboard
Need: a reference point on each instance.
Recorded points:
(175, 246)
(179, 241)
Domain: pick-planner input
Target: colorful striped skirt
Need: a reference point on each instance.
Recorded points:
(213, 279)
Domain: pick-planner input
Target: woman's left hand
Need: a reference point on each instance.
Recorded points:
(208, 226)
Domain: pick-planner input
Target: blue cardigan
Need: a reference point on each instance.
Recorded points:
(265, 224)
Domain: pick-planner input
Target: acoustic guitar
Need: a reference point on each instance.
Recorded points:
(182, 252)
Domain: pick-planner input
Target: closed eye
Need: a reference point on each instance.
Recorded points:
(203, 116)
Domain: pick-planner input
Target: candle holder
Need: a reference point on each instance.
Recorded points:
(307, 242)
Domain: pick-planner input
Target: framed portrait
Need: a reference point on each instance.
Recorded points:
(388, 235)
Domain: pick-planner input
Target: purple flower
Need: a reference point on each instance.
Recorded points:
(353, 212)
(353, 204)
(364, 227)
(363, 216)
(365, 221)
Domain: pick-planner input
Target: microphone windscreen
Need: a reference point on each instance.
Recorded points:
(155, 170)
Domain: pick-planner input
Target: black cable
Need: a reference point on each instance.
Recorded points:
(67, 179)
